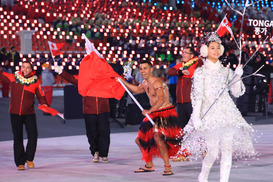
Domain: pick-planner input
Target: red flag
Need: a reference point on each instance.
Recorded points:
(47, 109)
(222, 29)
(97, 78)
(55, 48)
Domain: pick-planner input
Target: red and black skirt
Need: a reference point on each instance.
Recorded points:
(168, 128)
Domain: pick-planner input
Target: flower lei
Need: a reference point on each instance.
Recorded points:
(189, 63)
(24, 81)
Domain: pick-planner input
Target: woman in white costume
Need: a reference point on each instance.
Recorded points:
(222, 130)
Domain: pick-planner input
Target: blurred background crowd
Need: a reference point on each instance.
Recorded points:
(133, 30)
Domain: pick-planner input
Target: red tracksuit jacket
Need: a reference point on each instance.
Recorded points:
(184, 82)
(22, 96)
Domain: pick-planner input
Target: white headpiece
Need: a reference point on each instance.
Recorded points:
(211, 37)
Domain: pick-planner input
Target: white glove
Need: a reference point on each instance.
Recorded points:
(239, 71)
(195, 117)
(197, 122)
(58, 69)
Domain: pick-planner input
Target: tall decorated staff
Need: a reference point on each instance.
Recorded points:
(255, 52)
(241, 29)
(253, 74)
(242, 14)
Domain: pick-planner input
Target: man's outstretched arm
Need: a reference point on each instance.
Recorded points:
(136, 89)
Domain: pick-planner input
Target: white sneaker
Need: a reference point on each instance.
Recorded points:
(104, 159)
(96, 157)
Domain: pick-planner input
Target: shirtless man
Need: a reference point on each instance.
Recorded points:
(163, 138)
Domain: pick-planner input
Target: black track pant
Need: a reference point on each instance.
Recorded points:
(17, 122)
(98, 133)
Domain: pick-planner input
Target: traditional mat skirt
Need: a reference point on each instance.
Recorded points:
(167, 126)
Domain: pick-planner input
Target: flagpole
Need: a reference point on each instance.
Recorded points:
(51, 52)
(131, 95)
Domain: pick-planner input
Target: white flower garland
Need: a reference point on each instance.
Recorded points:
(25, 81)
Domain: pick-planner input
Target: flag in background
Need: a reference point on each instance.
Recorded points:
(97, 78)
(223, 27)
(55, 48)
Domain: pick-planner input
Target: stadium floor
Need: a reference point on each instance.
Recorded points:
(63, 155)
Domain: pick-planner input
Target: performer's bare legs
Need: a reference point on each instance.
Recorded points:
(163, 152)
(149, 165)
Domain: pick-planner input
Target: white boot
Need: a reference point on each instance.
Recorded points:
(204, 175)
(226, 159)
(212, 152)
(202, 178)
(225, 170)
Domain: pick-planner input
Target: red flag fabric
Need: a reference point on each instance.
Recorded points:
(55, 48)
(97, 78)
(47, 109)
(222, 30)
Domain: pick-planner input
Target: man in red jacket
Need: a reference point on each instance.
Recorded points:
(96, 112)
(24, 86)
(184, 72)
